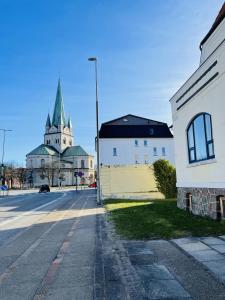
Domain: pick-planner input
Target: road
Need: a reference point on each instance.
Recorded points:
(47, 245)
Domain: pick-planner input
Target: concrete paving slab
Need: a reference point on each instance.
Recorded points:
(217, 267)
(137, 248)
(144, 259)
(165, 289)
(154, 272)
(198, 246)
(207, 255)
(186, 240)
(212, 241)
(219, 248)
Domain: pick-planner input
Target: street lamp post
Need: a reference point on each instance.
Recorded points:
(94, 59)
(3, 153)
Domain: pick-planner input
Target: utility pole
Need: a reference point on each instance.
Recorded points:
(3, 155)
(97, 130)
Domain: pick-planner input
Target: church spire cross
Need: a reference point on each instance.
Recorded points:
(59, 114)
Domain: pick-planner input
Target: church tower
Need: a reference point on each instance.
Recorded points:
(58, 132)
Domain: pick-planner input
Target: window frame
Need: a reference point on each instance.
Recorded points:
(155, 152)
(207, 142)
(114, 151)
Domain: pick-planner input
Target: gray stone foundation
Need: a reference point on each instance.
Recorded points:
(204, 201)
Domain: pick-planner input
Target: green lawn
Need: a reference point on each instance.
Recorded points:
(155, 219)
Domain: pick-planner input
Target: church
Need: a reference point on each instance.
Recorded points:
(57, 160)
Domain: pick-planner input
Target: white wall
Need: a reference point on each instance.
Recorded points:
(128, 153)
(213, 41)
(211, 99)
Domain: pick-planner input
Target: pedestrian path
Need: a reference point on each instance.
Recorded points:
(209, 251)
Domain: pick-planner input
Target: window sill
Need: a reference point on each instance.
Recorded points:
(203, 162)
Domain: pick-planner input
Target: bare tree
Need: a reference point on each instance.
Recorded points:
(21, 176)
(48, 170)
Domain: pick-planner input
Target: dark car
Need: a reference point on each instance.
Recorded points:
(44, 188)
(92, 185)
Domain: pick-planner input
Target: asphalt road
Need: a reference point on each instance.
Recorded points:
(47, 244)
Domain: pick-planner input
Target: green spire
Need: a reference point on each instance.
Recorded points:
(48, 122)
(59, 115)
(69, 123)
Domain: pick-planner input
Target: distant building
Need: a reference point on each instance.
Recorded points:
(131, 140)
(56, 160)
(198, 110)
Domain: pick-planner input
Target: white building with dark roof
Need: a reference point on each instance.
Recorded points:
(56, 160)
(198, 110)
(131, 140)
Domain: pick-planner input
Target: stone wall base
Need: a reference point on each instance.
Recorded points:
(204, 201)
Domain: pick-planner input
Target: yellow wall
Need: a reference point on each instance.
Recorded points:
(129, 182)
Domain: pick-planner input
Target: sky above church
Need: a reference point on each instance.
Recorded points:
(146, 50)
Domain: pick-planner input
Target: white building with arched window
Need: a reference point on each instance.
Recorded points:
(198, 110)
(56, 160)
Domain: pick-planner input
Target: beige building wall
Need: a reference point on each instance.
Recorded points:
(129, 182)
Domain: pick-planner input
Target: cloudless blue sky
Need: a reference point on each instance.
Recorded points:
(146, 50)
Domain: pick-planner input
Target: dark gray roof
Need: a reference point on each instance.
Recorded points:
(131, 126)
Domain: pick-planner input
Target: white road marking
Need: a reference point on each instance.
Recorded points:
(31, 211)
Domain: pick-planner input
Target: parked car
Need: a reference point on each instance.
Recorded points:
(92, 185)
(44, 188)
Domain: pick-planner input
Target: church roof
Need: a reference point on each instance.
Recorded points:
(48, 122)
(59, 114)
(43, 150)
(74, 151)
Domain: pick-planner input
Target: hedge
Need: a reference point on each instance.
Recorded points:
(165, 175)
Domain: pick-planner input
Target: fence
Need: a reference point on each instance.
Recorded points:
(129, 182)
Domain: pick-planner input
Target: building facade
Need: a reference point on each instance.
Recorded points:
(131, 140)
(56, 160)
(198, 110)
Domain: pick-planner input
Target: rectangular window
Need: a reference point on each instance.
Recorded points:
(136, 159)
(114, 152)
(145, 143)
(146, 158)
(82, 164)
(136, 143)
(155, 151)
(163, 151)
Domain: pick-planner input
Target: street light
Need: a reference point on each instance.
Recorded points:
(94, 59)
(3, 152)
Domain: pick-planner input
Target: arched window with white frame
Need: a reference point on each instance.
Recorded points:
(200, 138)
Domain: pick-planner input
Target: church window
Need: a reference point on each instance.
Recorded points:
(82, 163)
(56, 141)
(91, 164)
(64, 141)
(70, 143)
(42, 163)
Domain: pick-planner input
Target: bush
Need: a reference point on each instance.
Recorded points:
(165, 175)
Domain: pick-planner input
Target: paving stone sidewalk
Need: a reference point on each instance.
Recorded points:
(209, 251)
(160, 269)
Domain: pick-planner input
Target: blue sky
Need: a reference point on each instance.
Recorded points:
(146, 50)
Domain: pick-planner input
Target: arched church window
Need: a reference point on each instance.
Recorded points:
(42, 163)
(64, 141)
(91, 164)
(82, 163)
(200, 138)
(70, 143)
